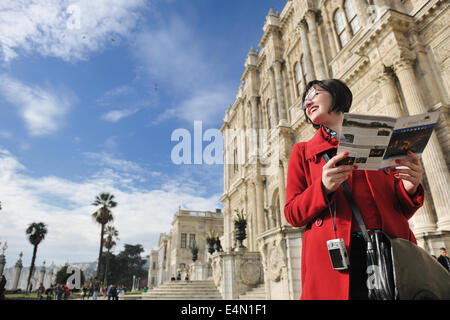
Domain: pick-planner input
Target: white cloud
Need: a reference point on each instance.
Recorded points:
(116, 115)
(42, 109)
(112, 95)
(127, 168)
(203, 105)
(65, 206)
(67, 29)
(173, 54)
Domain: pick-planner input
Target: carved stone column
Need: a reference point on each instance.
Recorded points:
(310, 74)
(253, 131)
(255, 220)
(226, 157)
(423, 219)
(273, 109)
(315, 46)
(254, 104)
(260, 205)
(282, 192)
(329, 30)
(281, 101)
(425, 68)
(227, 224)
(389, 92)
(433, 158)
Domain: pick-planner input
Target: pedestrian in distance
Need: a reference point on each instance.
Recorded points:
(2, 287)
(66, 291)
(444, 259)
(49, 293)
(90, 290)
(41, 291)
(96, 288)
(84, 292)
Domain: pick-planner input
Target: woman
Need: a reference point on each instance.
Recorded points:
(314, 198)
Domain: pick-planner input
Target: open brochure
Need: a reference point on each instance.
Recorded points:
(374, 142)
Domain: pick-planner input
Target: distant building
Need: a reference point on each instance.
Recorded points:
(174, 249)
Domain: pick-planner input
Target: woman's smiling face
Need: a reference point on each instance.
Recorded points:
(318, 103)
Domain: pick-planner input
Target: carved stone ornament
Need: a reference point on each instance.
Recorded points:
(275, 263)
(216, 266)
(250, 272)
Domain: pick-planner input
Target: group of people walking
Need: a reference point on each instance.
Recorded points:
(54, 292)
(94, 290)
(112, 292)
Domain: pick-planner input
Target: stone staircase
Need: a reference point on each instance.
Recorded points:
(257, 293)
(180, 290)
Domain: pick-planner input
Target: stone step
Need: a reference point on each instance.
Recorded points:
(182, 294)
(180, 290)
(186, 290)
(184, 286)
(183, 298)
(257, 293)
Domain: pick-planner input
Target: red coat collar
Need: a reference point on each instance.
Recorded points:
(319, 143)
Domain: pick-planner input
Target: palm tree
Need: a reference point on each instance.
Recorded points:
(36, 233)
(103, 216)
(111, 234)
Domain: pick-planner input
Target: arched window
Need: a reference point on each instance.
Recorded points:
(298, 78)
(346, 22)
(339, 21)
(351, 16)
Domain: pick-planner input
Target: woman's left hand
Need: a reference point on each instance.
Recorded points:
(410, 171)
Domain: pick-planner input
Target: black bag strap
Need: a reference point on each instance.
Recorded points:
(355, 209)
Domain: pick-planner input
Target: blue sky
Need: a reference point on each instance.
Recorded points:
(90, 93)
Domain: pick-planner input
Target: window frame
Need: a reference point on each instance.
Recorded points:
(183, 240)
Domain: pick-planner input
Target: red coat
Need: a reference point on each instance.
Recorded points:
(305, 202)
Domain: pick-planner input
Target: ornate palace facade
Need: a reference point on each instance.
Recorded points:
(394, 56)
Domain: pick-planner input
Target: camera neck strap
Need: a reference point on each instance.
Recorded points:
(355, 209)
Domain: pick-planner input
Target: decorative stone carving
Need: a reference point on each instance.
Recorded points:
(276, 260)
(250, 272)
(216, 266)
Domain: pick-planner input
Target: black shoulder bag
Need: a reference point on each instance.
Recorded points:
(397, 268)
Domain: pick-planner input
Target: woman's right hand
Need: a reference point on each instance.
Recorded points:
(332, 176)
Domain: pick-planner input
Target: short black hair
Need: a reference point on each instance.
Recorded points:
(341, 94)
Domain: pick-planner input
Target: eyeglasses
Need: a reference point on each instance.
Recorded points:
(309, 97)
